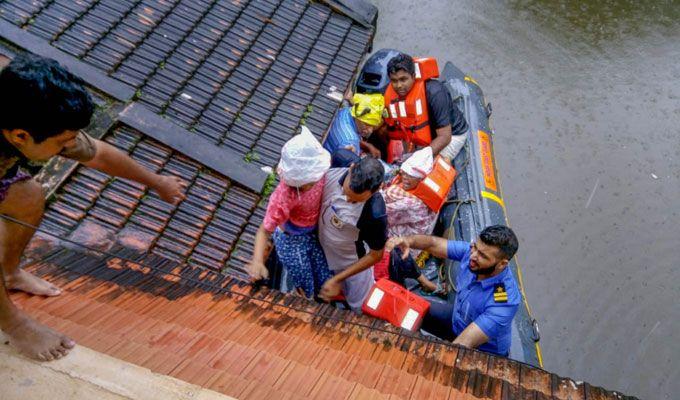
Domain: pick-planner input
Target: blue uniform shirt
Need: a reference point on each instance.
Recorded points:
(343, 132)
(490, 303)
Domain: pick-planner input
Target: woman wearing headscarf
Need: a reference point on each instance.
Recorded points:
(406, 213)
(353, 125)
(409, 215)
(292, 216)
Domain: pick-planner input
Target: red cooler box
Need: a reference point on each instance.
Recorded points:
(392, 302)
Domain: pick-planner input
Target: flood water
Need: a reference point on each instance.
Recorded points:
(586, 100)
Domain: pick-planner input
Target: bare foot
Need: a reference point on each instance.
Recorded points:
(29, 283)
(37, 341)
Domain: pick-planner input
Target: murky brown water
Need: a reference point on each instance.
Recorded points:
(586, 98)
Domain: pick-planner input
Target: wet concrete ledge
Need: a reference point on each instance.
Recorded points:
(87, 374)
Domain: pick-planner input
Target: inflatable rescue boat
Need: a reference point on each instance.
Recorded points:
(475, 200)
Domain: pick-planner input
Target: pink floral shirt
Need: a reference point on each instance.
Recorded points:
(287, 204)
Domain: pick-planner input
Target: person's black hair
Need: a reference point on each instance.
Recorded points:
(42, 98)
(367, 174)
(401, 62)
(502, 237)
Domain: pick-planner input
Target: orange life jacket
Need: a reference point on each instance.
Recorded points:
(434, 189)
(408, 118)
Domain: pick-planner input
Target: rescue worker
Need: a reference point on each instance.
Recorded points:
(353, 125)
(352, 226)
(439, 125)
(488, 295)
(42, 109)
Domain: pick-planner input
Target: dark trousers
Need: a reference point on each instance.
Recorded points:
(438, 321)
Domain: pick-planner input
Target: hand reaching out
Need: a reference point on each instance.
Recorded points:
(170, 188)
(400, 242)
(257, 271)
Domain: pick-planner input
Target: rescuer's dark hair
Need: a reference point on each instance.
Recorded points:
(402, 62)
(502, 237)
(366, 174)
(42, 98)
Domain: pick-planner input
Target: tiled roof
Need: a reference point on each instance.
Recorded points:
(242, 74)
(215, 331)
(238, 76)
(214, 224)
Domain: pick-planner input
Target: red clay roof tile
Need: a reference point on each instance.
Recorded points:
(535, 379)
(331, 383)
(270, 375)
(250, 347)
(425, 389)
(228, 384)
(567, 389)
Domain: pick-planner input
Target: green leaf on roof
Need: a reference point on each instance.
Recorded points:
(268, 187)
(251, 156)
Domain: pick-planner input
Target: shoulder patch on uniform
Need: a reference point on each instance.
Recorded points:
(499, 293)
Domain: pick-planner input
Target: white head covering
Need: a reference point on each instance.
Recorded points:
(303, 160)
(420, 164)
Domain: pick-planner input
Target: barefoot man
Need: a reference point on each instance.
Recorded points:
(42, 109)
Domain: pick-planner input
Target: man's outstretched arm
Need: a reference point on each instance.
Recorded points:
(432, 244)
(112, 161)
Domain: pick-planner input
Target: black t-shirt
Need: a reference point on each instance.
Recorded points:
(441, 110)
(372, 225)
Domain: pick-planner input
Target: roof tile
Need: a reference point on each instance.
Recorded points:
(229, 384)
(535, 379)
(255, 345)
(567, 389)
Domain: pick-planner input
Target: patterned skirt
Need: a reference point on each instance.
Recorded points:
(304, 261)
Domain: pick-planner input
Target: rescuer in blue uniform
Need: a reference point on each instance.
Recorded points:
(488, 295)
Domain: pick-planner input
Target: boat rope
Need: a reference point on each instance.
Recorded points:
(452, 231)
(217, 288)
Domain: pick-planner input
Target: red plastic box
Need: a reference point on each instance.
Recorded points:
(393, 303)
